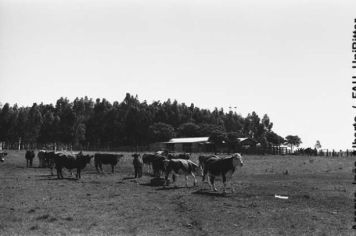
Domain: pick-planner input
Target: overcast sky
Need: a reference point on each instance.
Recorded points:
(289, 59)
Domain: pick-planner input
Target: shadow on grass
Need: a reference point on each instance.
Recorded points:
(209, 193)
(126, 178)
(55, 178)
(170, 188)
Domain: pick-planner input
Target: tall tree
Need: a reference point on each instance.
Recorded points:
(293, 140)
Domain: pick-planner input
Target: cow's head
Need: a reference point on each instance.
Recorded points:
(237, 159)
(2, 159)
(136, 155)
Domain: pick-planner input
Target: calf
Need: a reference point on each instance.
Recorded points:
(106, 159)
(178, 167)
(70, 162)
(224, 167)
(2, 156)
(137, 163)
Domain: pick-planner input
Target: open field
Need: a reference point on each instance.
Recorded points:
(32, 202)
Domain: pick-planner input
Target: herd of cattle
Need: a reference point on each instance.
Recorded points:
(159, 163)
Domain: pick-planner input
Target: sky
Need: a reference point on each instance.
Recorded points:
(290, 59)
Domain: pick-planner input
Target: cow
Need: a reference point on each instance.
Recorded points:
(185, 156)
(178, 167)
(158, 165)
(147, 160)
(30, 154)
(2, 156)
(137, 163)
(202, 164)
(46, 159)
(70, 162)
(224, 167)
(106, 159)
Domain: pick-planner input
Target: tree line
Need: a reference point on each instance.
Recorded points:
(85, 123)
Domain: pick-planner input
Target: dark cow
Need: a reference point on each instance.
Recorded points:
(185, 156)
(106, 159)
(224, 167)
(147, 160)
(2, 156)
(178, 167)
(46, 159)
(158, 165)
(202, 164)
(137, 163)
(30, 154)
(70, 162)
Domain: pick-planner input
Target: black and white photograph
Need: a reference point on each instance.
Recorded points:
(177, 117)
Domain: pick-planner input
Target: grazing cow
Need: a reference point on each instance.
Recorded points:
(202, 164)
(158, 165)
(106, 159)
(224, 167)
(185, 156)
(30, 154)
(137, 163)
(70, 162)
(2, 156)
(178, 167)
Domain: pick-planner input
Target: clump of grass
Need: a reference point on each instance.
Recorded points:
(44, 217)
(35, 227)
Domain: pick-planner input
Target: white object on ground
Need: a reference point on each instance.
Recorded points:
(280, 196)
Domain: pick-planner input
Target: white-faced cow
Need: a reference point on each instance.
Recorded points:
(179, 167)
(2, 156)
(106, 159)
(30, 154)
(224, 167)
(70, 162)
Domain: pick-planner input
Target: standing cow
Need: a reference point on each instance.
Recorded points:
(224, 167)
(106, 159)
(70, 162)
(179, 167)
(30, 154)
(2, 156)
(137, 163)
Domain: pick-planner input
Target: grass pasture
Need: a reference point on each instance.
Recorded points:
(32, 202)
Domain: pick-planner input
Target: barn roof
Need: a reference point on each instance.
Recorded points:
(189, 140)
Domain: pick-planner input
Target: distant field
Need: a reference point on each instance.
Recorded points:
(32, 202)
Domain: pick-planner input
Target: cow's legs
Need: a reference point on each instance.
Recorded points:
(224, 182)
(195, 180)
(186, 180)
(31, 162)
(112, 169)
(211, 182)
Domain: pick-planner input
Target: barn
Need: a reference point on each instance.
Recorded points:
(193, 144)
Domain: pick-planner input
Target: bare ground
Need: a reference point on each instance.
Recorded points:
(32, 202)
